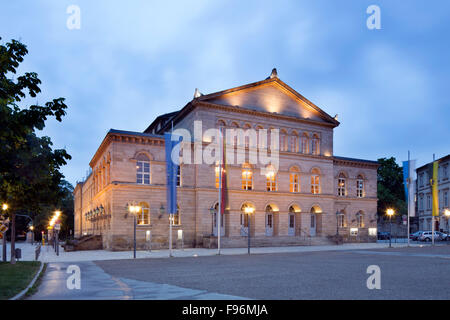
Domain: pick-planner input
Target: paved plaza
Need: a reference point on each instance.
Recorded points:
(322, 272)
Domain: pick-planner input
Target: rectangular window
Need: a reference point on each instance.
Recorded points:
(291, 221)
(341, 221)
(143, 172)
(446, 199)
(247, 179)
(315, 184)
(341, 187)
(144, 216)
(428, 202)
(217, 170)
(359, 188)
(271, 180)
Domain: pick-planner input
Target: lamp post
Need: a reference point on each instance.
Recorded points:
(248, 211)
(134, 211)
(390, 213)
(4, 208)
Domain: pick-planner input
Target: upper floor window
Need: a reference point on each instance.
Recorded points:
(421, 180)
(428, 202)
(271, 180)
(283, 141)
(341, 185)
(315, 145)
(143, 216)
(247, 179)
(315, 181)
(305, 143)
(445, 172)
(294, 180)
(294, 142)
(359, 187)
(142, 169)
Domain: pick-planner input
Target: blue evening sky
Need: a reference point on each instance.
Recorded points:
(133, 60)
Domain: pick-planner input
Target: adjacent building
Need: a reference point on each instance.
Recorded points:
(313, 195)
(424, 197)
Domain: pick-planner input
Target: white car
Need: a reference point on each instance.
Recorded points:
(427, 236)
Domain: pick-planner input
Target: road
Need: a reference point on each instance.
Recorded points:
(406, 273)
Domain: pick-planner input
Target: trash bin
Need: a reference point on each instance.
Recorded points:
(18, 253)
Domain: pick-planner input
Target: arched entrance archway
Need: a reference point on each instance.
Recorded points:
(293, 220)
(314, 229)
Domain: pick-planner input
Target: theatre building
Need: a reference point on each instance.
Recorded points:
(313, 196)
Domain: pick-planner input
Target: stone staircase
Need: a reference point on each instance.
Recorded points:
(276, 241)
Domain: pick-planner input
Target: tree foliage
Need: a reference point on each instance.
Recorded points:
(30, 177)
(390, 187)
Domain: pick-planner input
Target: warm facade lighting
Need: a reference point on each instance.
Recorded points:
(390, 212)
(5, 206)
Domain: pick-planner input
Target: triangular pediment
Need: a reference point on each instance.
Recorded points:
(273, 96)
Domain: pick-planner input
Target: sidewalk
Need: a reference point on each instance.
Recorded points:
(48, 254)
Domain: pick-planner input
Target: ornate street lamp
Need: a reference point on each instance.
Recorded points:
(390, 213)
(134, 211)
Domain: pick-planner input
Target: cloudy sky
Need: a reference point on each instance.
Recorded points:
(133, 60)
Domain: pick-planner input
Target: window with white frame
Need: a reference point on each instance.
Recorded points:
(294, 142)
(294, 180)
(359, 187)
(142, 169)
(176, 217)
(271, 179)
(143, 216)
(247, 178)
(315, 181)
(341, 220)
(341, 185)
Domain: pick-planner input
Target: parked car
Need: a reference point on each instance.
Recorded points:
(427, 236)
(383, 235)
(415, 236)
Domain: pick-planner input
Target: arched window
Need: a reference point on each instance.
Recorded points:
(360, 219)
(360, 186)
(247, 178)
(142, 169)
(315, 144)
(271, 179)
(315, 181)
(143, 214)
(305, 143)
(294, 142)
(341, 185)
(294, 180)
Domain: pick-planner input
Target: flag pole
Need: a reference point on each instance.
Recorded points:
(407, 196)
(219, 214)
(432, 213)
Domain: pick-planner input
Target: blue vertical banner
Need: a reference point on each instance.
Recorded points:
(172, 143)
(405, 178)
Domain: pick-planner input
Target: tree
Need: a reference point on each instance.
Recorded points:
(391, 192)
(29, 167)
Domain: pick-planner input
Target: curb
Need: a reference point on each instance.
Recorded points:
(22, 293)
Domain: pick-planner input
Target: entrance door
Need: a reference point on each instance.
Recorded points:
(291, 230)
(312, 230)
(269, 224)
(222, 227)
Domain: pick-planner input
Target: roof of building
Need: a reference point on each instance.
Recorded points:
(355, 160)
(444, 158)
(134, 133)
(256, 93)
